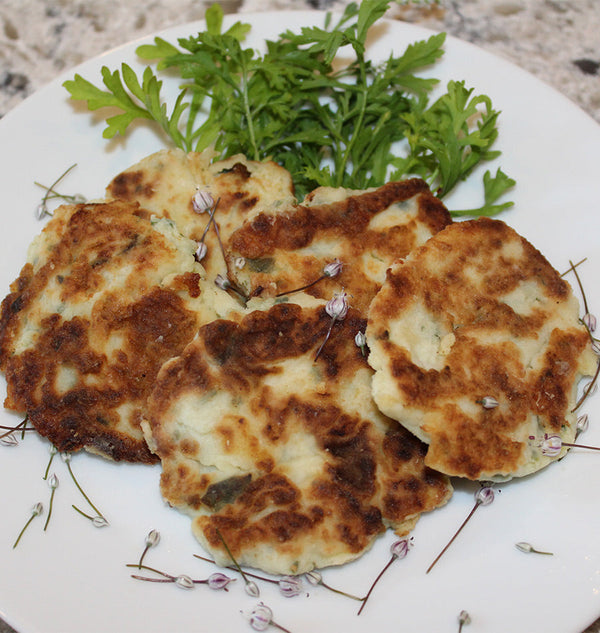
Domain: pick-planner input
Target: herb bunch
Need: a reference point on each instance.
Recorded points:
(313, 103)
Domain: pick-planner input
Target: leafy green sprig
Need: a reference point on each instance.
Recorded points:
(312, 102)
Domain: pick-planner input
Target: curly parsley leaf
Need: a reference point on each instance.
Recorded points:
(326, 123)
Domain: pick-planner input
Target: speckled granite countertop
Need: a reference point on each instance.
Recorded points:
(556, 40)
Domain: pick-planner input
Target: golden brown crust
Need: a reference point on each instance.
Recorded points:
(496, 320)
(87, 327)
(358, 472)
(287, 250)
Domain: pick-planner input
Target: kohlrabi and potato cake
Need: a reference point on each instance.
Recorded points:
(477, 349)
(108, 294)
(279, 453)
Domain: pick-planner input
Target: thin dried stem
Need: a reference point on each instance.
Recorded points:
(477, 504)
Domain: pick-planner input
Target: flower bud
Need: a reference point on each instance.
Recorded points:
(99, 522)
(314, 577)
(222, 282)
(252, 589)
(201, 251)
(583, 422)
(184, 582)
(524, 547)
(53, 481)
(202, 201)
(590, 321)
(218, 581)
(400, 548)
(261, 617)
(37, 509)
(290, 586)
(9, 440)
(152, 538)
(489, 402)
(551, 445)
(337, 308)
(484, 496)
(333, 269)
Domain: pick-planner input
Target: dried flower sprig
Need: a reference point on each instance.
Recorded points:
(42, 209)
(215, 581)
(315, 578)
(261, 618)
(37, 510)
(250, 586)
(336, 308)
(463, 618)
(399, 549)
(588, 390)
(289, 586)
(99, 520)
(483, 497)
(552, 445)
(152, 540)
(330, 270)
(202, 202)
(527, 548)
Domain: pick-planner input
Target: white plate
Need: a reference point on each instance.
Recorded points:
(74, 578)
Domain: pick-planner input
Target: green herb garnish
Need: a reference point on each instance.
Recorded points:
(313, 103)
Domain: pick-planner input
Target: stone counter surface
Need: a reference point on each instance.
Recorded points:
(556, 40)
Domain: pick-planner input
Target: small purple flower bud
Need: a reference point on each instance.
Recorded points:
(484, 496)
(596, 347)
(222, 282)
(252, 589)
(202, 201)
(53, 481)
(99, 522)
(290, 586)
(551, 445)
(218, 581)
(589, 320)
(489, 402)
(152, 538)
(37, 509)
(337, 308)
(314, 577)
(201, 251)
(399, 549)
(184, 582)
(9, 440)
(333, 269)
(261, 617)
(583, 422)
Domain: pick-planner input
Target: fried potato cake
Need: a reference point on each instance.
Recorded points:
(167, 181)
(108, 294)
(275, 253)
(477, 349)
(284, 458)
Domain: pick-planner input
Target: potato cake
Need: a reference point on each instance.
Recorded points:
(477, 348)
